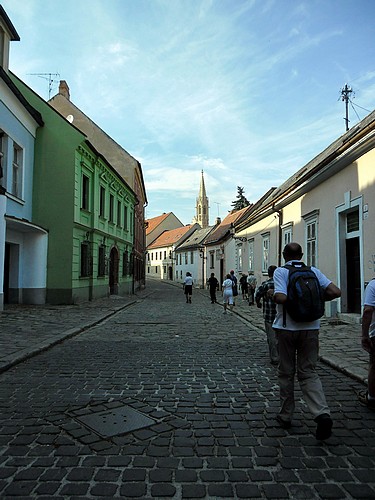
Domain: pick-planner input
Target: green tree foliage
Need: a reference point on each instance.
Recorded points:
(241, 201)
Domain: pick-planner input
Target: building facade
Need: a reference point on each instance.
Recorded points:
(23, 243)
(86, 207)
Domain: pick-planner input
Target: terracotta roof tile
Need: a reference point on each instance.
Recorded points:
(170, 237)
(155, 221)
(223, 228)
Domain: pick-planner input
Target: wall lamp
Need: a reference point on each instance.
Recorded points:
(240, 238)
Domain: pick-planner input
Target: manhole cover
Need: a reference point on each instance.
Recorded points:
(116, 421)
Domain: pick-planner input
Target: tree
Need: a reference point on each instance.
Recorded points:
(241, 201)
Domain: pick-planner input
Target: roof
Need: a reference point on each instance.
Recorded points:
(223, 229)
(151, 224)
(324, 160)
(196, 238)
(169, 238)
(12, 30)
(25, 103)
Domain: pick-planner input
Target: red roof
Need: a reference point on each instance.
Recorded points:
(154, 222)
(168, 238)
(224, 227)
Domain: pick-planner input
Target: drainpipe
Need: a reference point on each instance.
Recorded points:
(280, 240)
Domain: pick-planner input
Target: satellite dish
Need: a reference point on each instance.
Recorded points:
(70, 118)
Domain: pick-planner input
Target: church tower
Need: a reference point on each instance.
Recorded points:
(201, 215)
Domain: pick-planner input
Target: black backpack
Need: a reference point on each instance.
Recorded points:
(305, 300)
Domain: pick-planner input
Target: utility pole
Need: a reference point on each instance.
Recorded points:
(345, 92)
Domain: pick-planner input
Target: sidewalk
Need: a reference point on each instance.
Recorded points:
(28, 330)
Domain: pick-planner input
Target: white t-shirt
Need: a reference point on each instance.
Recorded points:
(227, 285)
(188, 280)
(370, 301)
(280, 279)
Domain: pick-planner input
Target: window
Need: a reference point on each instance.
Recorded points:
(212, 260)
(311, 243)
(352, 221)
(119, 213)
(102, 202)
(2, 157)
(251, 255)
(266, 251)
(85, 259)
(160, 255)
(191, 257)
(111, 207)
(287, 234)
(311, 236)
(165, 254)
(239, 262)
(125, 263)
(176, 275)
(17, 171)
(125, 217)
(101, 260)
(186, 258)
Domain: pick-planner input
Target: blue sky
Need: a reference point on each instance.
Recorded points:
(247, 90)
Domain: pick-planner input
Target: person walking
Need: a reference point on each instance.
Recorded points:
(188, 287)
(367, 397)
(244, 286)
(252, 284)
(234, 285)
(298, 343)
(227, 293)
(213, 285)
(264, 294)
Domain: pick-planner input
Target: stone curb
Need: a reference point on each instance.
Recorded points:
(68, 334)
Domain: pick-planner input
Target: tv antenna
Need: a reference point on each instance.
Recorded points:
(50, 78)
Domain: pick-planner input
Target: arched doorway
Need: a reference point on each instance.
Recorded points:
(113, 271)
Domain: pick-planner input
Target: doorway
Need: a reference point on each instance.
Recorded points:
(353, 273)
(113, 271)
(6, 273)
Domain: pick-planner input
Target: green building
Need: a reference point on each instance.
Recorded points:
(86, 207)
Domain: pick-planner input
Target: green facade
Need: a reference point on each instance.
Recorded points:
(90, 244)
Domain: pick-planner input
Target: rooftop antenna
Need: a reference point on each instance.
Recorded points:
(50, 78)
(218, 204)
(345, 93)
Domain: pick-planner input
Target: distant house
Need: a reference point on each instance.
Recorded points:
(23, 242)
(157, 225)
(161, 256)
(326, 206)
(191, 257)
(86, 207)
(222, 252)
(128, 168)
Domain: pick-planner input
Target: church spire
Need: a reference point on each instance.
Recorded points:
(202, 215)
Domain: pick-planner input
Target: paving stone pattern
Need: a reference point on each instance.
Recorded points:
(206, 381)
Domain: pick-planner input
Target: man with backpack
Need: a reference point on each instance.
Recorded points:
(300, 292)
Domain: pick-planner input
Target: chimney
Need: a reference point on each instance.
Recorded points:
(218, 221)
(64, 89)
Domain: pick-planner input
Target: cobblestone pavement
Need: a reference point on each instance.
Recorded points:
(199, 386)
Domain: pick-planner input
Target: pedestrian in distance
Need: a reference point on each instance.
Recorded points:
(213, 286)
(227, 293)
(188, 287)
(264, 294)
(252, 284)
(297, 330)
(367, 397)
(244, 286)
(234, 285)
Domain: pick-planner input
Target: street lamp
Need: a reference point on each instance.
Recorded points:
(201, 255)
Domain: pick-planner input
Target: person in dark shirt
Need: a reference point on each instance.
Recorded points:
(264, 294)
(213, 285)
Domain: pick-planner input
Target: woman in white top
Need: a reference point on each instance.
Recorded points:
(188, 287)
(227, 293)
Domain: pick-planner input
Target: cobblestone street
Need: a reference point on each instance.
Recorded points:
(205, 397)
